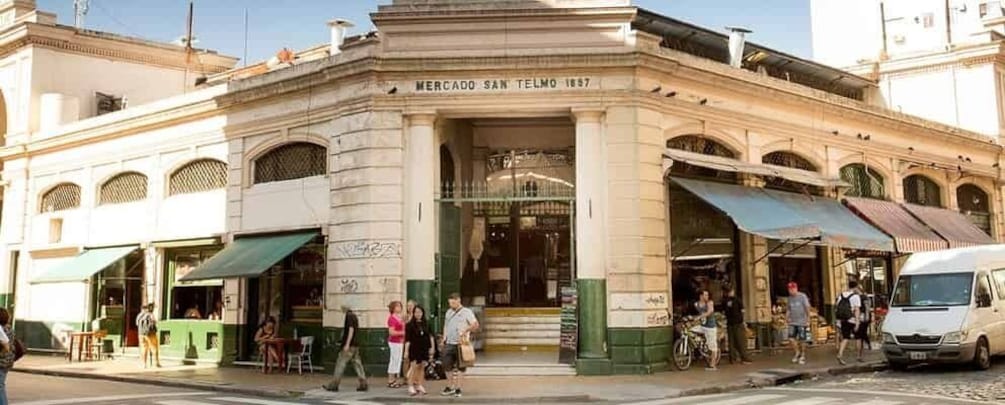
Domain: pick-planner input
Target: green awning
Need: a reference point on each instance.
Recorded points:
(249, 257)
(85, 265)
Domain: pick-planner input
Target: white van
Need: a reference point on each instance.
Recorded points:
(948, 307)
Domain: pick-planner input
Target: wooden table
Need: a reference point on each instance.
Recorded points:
(83, 340)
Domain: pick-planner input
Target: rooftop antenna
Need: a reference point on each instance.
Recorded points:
(188, 33)
(80, 8)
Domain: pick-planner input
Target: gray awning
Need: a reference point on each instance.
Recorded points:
(735, 166)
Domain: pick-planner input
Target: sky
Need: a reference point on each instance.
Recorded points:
(273, 24)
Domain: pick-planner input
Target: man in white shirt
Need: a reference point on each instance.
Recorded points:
(849, 315)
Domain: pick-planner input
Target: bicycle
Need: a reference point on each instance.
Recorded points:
(691, 344)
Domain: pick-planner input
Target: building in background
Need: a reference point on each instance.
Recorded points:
(545, 150)
(936, 59)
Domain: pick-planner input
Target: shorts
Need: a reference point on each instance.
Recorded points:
(711, 338)
(452, 358)
(799, 332)
(863, 331)
(848, 330)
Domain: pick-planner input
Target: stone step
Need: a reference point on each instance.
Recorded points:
(521, 341)
(522, 319)
(502, 369)
(523, 334)
(521, 327)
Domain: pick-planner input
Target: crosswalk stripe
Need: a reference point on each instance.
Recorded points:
(811, 401)
(337, 402)
(182, 402)
(113, 398)
(254, 401)
(880, 402)
(672, 401)
(733, 400)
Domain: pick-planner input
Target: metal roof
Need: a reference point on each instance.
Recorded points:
(707, 43)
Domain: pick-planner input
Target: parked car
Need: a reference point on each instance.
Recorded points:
(948, 307)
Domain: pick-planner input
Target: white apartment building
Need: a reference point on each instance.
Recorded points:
(937, 59)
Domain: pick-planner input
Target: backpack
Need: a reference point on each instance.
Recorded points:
(146, 325)
(843, 311)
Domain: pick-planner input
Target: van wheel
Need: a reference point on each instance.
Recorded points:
(982, 356)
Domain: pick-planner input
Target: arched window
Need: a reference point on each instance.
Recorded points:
(788, 159)
(974, 204)
(64, 196)
(704, 146)
(791, 160)
(198, 176)
(922, 190)
(123, 188)
(865, 182)
(291, 161)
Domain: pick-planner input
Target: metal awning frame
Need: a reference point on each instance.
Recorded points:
(758, 169)
(802, 244)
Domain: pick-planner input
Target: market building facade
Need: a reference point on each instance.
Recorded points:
(616, 158)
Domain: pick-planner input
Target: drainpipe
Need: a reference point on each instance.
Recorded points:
(737, 40)
(949, 26)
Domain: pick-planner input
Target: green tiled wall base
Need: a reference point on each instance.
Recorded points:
(373, 349)
(639, 350)
(44, 335)
(594, 367)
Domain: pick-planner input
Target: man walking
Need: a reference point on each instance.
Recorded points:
(350, 352)
(799, 322)
(848, 313)
(735, 329)
(458, 323)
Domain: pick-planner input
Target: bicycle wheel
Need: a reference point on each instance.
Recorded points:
(681, 354)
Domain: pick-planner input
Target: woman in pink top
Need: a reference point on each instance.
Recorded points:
(395, 341)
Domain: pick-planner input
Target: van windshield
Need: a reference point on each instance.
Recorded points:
(928, 290)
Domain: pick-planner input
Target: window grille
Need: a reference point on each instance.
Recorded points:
(291, 161)
(62, 197)
(705, 146)
(865, 182)
(198, 176)
(123, 188)
(921, 190)
(974, 204)
(792, 160)
(788, 159)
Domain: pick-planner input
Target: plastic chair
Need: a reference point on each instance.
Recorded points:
(306, 344)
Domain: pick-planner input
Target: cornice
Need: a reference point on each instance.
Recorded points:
(69, 40)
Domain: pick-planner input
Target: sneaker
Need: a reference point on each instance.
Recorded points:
(747, 362)
(447, 391)
(711, 369)
(802, 360)
(457, 393)
(411, 391)
(841, 361)
(330, 387)
(795, 359)
(363, 388)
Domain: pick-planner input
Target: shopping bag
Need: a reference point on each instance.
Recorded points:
(467, 351)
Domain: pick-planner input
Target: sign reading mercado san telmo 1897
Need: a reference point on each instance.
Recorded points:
(499, 84)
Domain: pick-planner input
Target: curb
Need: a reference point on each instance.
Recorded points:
(164, 382)
(783, 379)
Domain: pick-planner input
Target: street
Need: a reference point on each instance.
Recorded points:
(953, 382)
(810, 396)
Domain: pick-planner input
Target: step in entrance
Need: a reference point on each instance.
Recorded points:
(522, 329)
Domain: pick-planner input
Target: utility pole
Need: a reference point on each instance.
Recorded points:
(79, 11)
(188, 34)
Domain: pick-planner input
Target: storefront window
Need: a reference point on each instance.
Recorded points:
(192, 299)
(872, 275)
(691, 276)
(304, 275)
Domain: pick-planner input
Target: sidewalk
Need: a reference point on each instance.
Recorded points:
(766, 371)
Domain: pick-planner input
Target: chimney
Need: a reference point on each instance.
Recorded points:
(338, 27)
(737, 40)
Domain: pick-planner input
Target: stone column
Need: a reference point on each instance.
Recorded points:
(755, 278)
(591, 277)
(420, 218)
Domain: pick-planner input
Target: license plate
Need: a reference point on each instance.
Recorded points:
(917, 355)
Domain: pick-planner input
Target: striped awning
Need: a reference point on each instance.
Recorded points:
(953, 226)
(909, 235)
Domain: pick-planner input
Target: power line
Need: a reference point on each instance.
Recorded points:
(128, 29)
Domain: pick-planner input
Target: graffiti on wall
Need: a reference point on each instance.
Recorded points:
(364, 249)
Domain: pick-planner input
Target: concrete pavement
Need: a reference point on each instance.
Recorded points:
(767, 370)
